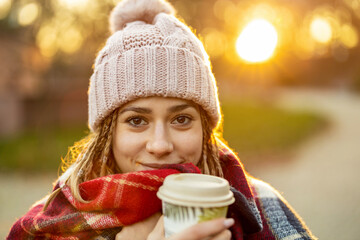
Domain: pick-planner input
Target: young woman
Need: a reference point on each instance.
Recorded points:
(153, 111)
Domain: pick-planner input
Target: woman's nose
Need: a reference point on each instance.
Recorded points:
(159, 143)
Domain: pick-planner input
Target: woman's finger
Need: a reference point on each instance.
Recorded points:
(224, 235)
(205, 229)
(158, 233)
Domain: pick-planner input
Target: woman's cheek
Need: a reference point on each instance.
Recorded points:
(189, 145)
(126, 144)
(129, 143)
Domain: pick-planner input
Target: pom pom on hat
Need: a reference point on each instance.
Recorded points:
(137, 10)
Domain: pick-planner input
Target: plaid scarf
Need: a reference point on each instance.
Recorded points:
(123, 199)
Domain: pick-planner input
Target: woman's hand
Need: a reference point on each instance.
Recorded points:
(211, 230)
(140, 230)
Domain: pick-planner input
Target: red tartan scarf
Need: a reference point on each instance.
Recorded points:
(123, 199)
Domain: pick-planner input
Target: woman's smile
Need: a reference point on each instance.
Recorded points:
(153, 166)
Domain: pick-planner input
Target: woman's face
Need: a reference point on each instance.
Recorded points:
(157, 130)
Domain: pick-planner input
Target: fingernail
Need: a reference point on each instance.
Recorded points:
(228, 222)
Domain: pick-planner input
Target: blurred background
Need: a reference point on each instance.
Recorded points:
(289, 83)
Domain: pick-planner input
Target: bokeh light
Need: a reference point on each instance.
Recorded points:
(46, 40)
(264, 10)
(215, 42)
(257, 41)
(229, 34)
(5, 6)
(28, 13)
(50, 41)
(354, 5)
(349, 36)
(321, 30)
(70, 40)
(74, 4)
(226, 10)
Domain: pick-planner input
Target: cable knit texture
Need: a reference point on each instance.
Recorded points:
(146, 58)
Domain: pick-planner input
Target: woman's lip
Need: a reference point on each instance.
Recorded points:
(156, 165)
(151, 165)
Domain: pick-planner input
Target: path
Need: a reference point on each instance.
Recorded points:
(17, 193)
(323, 182)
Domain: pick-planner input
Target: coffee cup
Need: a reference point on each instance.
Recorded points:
(188, 199)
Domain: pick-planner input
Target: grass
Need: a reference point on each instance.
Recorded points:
(254, 129)
(259, 131)
(38, 150)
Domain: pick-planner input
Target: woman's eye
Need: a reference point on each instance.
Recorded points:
(137, 121)
(183, 120)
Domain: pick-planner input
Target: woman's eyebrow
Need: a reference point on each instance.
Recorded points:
(172, 109)
(178, 108)
(136, 109)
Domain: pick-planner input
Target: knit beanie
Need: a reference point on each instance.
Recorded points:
(150, 53)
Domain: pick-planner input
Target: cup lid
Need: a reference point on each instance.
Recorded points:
(190, 189)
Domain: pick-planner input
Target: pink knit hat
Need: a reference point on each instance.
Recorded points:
(150, 53)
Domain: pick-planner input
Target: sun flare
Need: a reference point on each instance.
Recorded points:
(321, 30)
(257, 41)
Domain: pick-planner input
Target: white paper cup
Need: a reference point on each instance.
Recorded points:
(189, 198)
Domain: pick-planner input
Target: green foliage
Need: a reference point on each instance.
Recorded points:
(38, 150)
(356, 84)
(255, 128)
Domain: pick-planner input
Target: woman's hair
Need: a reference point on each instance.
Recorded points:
(92, 156)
